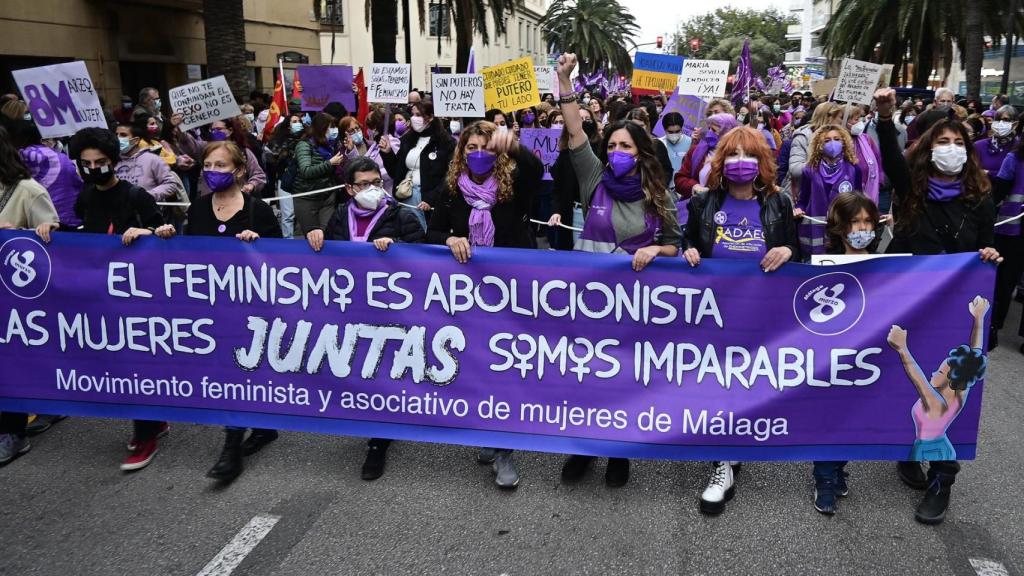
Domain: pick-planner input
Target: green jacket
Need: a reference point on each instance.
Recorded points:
(313, 171)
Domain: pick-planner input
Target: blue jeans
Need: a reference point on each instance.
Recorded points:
(828, 469)
(287, 216)
(415, 200)
(577, 222)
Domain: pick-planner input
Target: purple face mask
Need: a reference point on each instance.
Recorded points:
(741, 170)
(621, 163)
(218, 181)
(218, 135)
(480, 162)
(528, 118)
(833, 148)
(400, 127)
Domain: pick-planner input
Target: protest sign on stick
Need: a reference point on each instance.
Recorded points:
(61, 98)
(543, 142)
(204, 102)
(655, 73)
(389, 83)
(322, 85)
(857, 81)
(458, 95)
(704, 78)
(511, 86)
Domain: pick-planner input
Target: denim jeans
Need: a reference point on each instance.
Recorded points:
(287, 216)
(828, 469)
(415, 200)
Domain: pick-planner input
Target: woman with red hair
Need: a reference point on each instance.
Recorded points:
(742, 215)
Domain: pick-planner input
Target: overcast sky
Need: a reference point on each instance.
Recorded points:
(660, 17)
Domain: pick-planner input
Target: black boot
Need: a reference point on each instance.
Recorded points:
(229, 465)
(575, 467)
(376, 457)
(257, 440)
(912, 475)
(932, 509)
(616, 475)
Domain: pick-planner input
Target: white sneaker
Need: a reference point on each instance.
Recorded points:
(720, 488)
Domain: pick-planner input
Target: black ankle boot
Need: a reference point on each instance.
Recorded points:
(229, 465)
(912, 475)
(257, 440)
(616, 475)
(932, 509)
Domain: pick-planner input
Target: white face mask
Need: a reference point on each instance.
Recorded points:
(502, 128)
(1002, 128)
(370, 198)
(949, 158)
(418, 123)
(857, 129)
(456, 126)
(250, 117)
(674, 138)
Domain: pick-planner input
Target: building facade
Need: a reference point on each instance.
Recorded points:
(813, 16)
(353, 44)
(128, 45)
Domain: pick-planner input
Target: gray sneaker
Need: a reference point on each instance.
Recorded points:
(12, 446)
(487, 455)
(506, 475)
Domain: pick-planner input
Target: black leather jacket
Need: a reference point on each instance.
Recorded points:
(776, 218)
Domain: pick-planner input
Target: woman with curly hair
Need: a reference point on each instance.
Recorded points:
(943, 205)
(485, 201)
(627, 210)
(832, 167)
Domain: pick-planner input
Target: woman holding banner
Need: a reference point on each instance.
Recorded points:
(832, 168)
(632, 212)
(743, 203)
(229, 211)
(421, 162)
(942, 205)
(485, 201)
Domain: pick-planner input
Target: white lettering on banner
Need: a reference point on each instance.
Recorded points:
(704, 78)
(204, 102)
(857, 81)
(458, 95)
(61, 98)
(389, 83)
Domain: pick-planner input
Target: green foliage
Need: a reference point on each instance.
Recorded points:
(725, 25)
(763, 54)
(598, 31)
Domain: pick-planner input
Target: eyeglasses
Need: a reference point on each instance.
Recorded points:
(360, 186)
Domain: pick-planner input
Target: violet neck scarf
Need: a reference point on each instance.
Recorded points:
(481, 198)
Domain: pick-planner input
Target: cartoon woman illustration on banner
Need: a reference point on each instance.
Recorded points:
(943, 396)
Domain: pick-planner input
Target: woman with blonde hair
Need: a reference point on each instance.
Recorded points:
(821, 114)
(485, 201)
(832, 168)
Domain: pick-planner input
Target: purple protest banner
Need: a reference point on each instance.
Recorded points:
(690, 107)
(539, 350)
(322, 85)
(543, 142)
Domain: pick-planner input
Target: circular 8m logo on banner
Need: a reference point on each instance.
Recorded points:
(25, 267)
(829, 304)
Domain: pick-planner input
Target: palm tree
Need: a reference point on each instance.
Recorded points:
(470, 17)
(596, 30)
(888, 30)
(224, 28)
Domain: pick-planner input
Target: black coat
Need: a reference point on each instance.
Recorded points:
(434, 160)
(397, 223)
(776, 220)
(512, 227)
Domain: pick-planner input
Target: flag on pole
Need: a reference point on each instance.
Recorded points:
(364, 107)
(741, 87)
(296, 85)
(278, 106)
(471, 66)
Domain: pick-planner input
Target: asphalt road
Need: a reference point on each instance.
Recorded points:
(65, 508)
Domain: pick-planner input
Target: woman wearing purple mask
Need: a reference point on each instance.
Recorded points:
(832, 167)
(485, 201)
(627, 210)
(742, 216)
(229, 212)
(692, 175)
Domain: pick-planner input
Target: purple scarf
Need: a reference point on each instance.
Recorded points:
(832, 174)
(625, 189)
(355, 212)
(706, 144)
(940, 191)
(481, 198)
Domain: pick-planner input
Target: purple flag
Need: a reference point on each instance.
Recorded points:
(742, 81)
(471, 66)
(526, 349)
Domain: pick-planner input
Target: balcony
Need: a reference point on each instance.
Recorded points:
(793, 57)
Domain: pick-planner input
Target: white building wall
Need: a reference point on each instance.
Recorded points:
(354, 45)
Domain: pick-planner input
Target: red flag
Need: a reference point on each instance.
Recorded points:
(278, 107)
(364, 106)
(296, 85)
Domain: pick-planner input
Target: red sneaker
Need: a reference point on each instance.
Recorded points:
(165, 428)
(141, 456)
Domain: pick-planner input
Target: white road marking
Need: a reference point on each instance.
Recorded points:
(232, 554)
(988, 567)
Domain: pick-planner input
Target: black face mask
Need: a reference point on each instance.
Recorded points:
(96, 176)
(590, 129)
